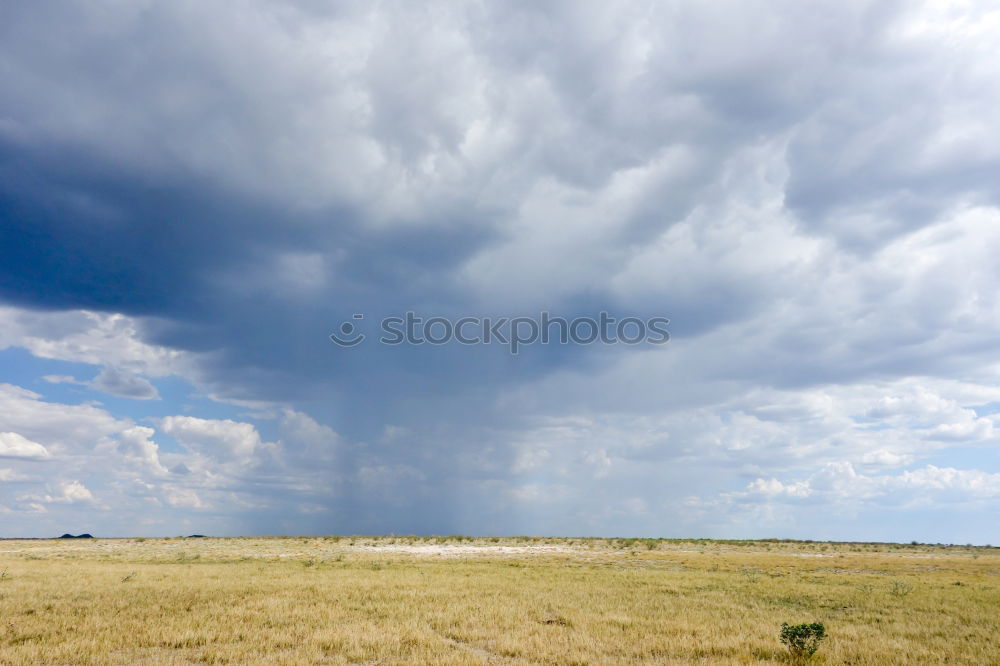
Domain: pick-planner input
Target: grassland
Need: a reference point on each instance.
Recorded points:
(491, 601)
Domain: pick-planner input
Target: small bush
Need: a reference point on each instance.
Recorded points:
(802, 639)
(866, 589)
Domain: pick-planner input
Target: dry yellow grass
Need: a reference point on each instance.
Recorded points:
(496, 601)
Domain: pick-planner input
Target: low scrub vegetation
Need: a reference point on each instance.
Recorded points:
(802, 640)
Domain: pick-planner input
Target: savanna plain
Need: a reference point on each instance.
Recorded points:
(461, 600)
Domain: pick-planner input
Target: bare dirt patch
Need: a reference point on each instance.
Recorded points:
(455, 550)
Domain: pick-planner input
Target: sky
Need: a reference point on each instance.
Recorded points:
(194, 196)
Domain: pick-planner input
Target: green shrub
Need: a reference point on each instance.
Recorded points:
(802, 639)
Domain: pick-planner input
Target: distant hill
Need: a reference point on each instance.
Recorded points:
(80, 536)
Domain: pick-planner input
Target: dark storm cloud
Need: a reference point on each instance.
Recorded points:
(247, 178)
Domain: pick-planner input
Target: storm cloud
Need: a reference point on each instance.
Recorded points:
(194, 196)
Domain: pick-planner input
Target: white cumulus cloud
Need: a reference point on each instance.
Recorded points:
(13, 445)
